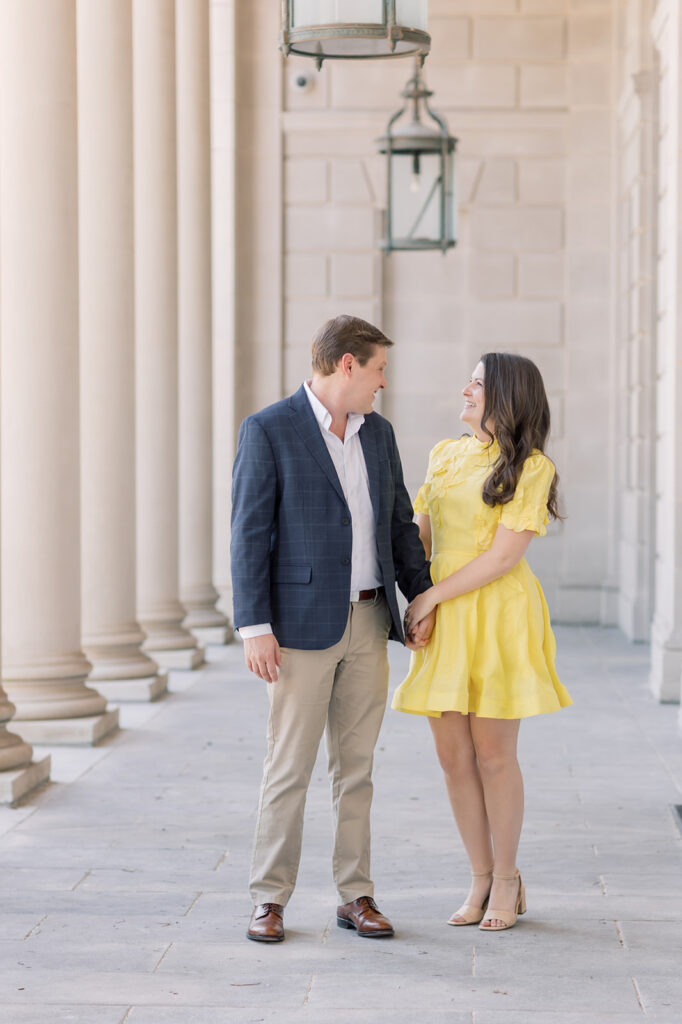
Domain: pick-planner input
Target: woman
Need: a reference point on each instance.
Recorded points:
(490, 661)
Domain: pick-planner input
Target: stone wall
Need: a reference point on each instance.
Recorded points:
(527, 89)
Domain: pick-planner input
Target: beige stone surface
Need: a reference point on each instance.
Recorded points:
(544, 85)
(136, 905)
(518, 39)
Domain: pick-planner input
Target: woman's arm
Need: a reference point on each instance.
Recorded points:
(507, 549)
(424, 523)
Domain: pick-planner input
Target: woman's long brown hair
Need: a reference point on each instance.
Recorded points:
(517, 406)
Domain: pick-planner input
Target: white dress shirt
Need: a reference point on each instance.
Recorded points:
(349, 462)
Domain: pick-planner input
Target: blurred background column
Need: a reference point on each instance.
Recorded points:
(160, 612)
(44, 668)
(197, 593)
(111, 636)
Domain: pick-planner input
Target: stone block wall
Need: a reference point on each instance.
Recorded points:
(527, 87)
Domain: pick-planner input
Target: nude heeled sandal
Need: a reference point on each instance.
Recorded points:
(508, 916)
(469, 914)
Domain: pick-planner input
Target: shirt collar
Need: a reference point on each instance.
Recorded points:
(324, 417)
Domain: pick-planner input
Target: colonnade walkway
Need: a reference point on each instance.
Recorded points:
(123, 886)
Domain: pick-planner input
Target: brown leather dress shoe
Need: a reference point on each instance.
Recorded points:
(266, 923)
(364, 915)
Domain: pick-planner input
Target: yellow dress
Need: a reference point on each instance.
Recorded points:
(492, 650)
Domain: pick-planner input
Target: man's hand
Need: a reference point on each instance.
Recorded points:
(420, 635)
(263, 657)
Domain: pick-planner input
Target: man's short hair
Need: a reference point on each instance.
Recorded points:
(344, 334)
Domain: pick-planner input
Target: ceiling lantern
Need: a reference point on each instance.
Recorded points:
(420, 166)
(355, 29)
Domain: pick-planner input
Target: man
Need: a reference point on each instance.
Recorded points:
(321, 529)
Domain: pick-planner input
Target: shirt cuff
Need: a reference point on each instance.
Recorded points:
(250, 632)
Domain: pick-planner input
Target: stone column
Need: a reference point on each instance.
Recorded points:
(19, 774)
(160, 612)
(666, 629)
(111, 636)
(44, 668)
(197, 592)
(223, 191)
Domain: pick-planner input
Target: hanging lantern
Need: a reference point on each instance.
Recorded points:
(355, 29)
(420, 157)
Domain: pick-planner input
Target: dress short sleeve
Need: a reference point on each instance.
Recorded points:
(421, 502)
(528, 508)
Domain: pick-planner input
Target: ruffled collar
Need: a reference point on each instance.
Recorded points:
(448, 466)
(472, 446)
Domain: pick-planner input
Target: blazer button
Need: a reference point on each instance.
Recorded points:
(345, 561)
(345, 521)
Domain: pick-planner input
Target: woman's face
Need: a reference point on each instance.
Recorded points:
(474, 402)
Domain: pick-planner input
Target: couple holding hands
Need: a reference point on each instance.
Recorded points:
(322, 530)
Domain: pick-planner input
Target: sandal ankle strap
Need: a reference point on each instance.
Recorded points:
(508, 878)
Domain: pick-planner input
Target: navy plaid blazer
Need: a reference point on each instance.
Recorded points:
(291, 526)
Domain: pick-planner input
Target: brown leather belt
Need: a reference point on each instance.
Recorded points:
(370, 595)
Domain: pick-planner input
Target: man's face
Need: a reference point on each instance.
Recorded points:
(363, 382)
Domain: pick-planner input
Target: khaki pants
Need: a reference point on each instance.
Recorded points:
(341, 689)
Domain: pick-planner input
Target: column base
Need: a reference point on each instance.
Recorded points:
(138, 690)
(666, 667)
(73, 732)
(187, 658)
(16, 784)
(213, 634)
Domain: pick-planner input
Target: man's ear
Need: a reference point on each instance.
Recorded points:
(346, 363)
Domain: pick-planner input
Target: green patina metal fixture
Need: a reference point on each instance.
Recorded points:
(355, 29)
(420, 155)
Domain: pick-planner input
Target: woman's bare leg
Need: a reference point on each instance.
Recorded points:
(457, 756)
(495, 743)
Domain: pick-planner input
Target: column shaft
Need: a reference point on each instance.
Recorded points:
(160, 612)
(666, 629)
(111, 636)
(224, 201)
(44, 668)
(197, 592)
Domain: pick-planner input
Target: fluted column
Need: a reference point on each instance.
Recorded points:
(111, 636)
(160, 612)
(197, 592)
(43, 666)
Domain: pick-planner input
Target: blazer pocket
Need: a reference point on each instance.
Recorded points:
(292, 573)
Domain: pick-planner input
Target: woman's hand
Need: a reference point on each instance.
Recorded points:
(419, 609)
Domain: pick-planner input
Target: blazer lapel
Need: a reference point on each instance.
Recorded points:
(311, 435)
(369, 448)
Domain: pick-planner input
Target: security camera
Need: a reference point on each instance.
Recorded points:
(302, 81)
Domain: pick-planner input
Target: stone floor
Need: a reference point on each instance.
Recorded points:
(123, 883)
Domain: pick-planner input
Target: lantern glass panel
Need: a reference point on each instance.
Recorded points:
(412, 13)
(451, 225)
(307, 13)
(416, 197)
